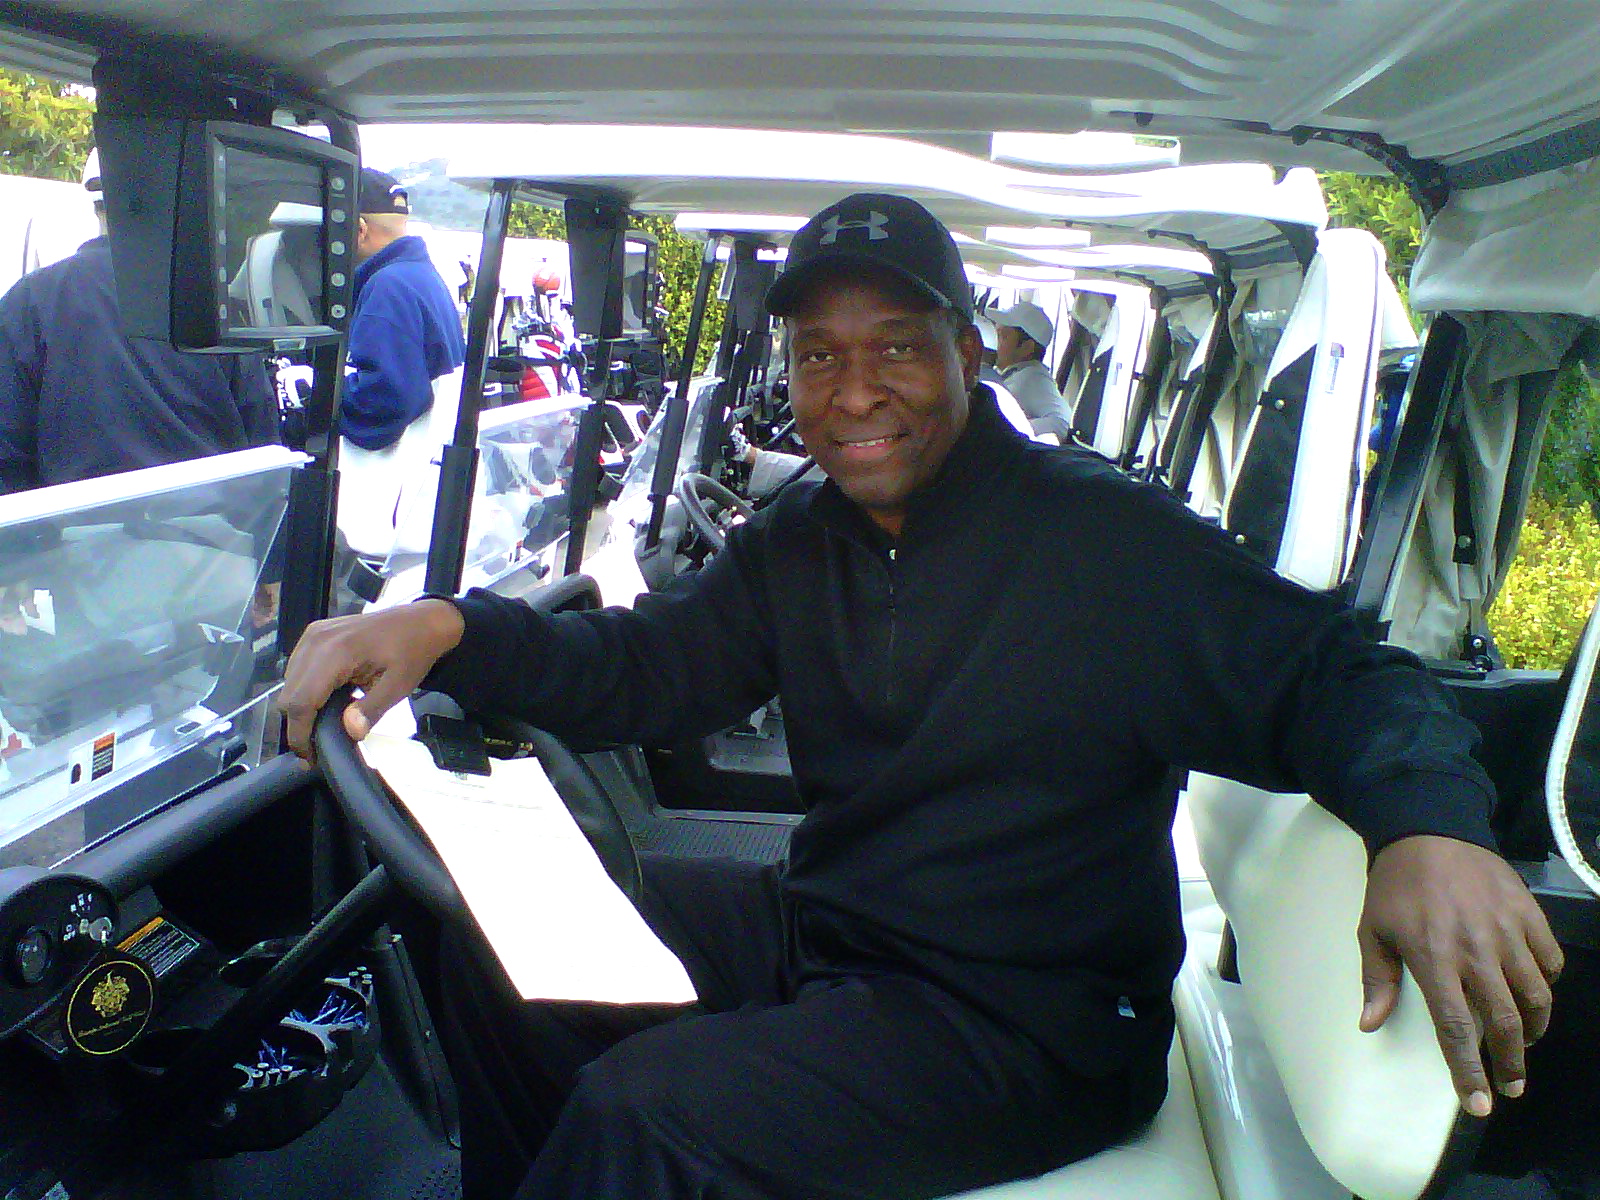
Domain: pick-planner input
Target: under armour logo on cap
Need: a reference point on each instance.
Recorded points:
(875, 225)
(870, 231)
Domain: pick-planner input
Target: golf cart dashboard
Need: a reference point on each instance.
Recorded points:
(52, 926)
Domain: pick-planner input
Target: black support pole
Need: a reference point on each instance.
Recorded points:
(678, 404)
(1191, 433)
(452, 513)
(1403, 472)
(309, 525)
(583, 489)
(597, 240)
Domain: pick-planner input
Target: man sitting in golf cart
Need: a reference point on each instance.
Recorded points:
(990, 654)
(1022, 334)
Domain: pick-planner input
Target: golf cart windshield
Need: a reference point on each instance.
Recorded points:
(636, 479)
(519, 504)
(132, 609)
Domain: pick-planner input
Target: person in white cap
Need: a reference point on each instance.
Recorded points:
(1021, 334)
(990, 374)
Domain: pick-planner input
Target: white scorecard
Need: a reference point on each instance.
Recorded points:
(560, 927)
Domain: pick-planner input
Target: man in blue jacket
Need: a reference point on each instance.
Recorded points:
(405, 332)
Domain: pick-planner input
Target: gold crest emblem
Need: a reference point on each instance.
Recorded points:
(109, 995)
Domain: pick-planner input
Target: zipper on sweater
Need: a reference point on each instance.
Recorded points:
(888, 698)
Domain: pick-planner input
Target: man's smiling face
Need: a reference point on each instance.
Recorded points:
(879, 383)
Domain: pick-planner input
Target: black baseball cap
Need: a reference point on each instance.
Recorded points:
(383, 193)
(873, 229)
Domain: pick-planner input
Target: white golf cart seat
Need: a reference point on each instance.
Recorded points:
(276, 281)
(1181, 321)
(1184, 396)
(1295, 495)
(1377, 1111)
(1077, 338)
(1101, 409)
(43, 222)
(1168, 1161)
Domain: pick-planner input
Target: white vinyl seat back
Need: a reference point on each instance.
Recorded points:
(1100, 414)
(1087, 404)
(1080, 335)
(1229, 395)
(1377, 1109)
(42, 221)
(1572, 778)
(269, 286)
(1183, 395)
(1185, 321)
(1218, 436)
(1295, 496)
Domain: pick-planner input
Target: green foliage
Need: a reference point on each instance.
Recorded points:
(680, 267)
(46, 128)
(679, 264)
(1569, 471)
(1384, 209)
(1550, 588)
(535, 221)
(1552, 583)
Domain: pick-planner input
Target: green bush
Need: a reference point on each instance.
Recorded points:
(1550, 588)
(1384, 209)
(1569, 470)
(45, 127)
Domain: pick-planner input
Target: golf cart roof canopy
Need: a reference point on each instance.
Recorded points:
(1055, 255)
(1248, 211)
(1454, 83)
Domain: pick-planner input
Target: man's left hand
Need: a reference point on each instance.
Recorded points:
(1479, 947)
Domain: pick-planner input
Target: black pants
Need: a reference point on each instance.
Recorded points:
(855, 1085)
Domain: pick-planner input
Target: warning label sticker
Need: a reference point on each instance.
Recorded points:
(103, 759)
(160, 945)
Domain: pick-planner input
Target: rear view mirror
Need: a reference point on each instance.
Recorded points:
(228, 236)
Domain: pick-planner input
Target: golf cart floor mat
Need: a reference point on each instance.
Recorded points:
(681, 833)
(443, 1184)
(399, 1157)
(692, 837)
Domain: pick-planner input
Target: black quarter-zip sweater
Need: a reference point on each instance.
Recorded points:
(984, 716)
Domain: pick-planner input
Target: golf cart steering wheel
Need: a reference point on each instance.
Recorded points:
(397, 843)
(711, 508)
(391, 837)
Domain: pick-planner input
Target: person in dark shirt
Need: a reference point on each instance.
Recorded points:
(991, 653)
(78, 399)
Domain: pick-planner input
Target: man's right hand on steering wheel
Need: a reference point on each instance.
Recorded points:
(387, 655)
